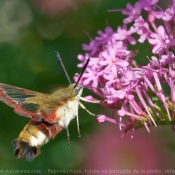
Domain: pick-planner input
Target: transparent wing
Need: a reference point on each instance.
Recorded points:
(21, 99)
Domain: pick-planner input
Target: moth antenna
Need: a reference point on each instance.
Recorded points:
(84, 68)
(62, 67)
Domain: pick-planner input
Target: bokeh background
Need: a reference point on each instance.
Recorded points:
(30, 32)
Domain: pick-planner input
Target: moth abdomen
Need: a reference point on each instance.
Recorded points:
(34, 135)
(24, 151)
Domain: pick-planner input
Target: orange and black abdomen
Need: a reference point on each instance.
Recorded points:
(34, 135)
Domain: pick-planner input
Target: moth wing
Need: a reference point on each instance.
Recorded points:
(21, 100)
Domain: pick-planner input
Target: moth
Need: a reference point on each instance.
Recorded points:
(48, 114)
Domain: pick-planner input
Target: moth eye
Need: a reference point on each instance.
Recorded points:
(76, 90)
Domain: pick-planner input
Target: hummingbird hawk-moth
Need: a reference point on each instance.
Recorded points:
(49, 113)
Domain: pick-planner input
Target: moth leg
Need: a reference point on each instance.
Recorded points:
(68, 137)
(90, 101)
(78, 126)
(83, 107)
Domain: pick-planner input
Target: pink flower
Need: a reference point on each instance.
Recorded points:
(125, 87)
(104, 36)
(169, 14)
(148, 4)
(141, 28)
(124, 34)
(94, 47)
(159, 40)
(133, 12)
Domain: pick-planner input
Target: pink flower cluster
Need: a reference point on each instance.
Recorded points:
(132, 91)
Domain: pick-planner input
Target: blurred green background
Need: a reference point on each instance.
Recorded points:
(30, 32)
